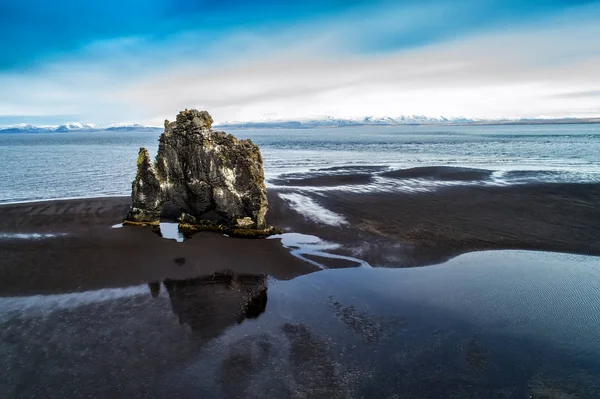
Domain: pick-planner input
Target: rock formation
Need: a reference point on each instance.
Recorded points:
(202, 172)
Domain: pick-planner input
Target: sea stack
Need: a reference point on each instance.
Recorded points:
(204, 173)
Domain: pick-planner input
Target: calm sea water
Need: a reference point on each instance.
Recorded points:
(84, 164)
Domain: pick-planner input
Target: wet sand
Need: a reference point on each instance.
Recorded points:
(204, 318)
(324, 180)
(330, 177)
(440, 173)
(416, 229)
(384, 229)
(93, 255)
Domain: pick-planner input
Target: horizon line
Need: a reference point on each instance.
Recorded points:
(437, 118)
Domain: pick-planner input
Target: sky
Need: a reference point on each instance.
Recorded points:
(142, 61)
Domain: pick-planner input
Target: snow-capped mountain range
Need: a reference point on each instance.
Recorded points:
(73, 127)
(308, 123)
(329, 121)
(326, 121)
(396, 121)
(38, 129)
(130, 126)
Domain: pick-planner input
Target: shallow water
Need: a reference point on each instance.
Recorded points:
(487, 324)
(170, 231)
(301, 245)
(30, 236)
(91, 164)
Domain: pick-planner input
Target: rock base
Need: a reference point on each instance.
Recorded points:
(189, 229)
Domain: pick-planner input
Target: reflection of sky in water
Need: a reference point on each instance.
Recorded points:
(303, 244)
(168, 230)
(38, 305)
(514, 289)
(471, 320)
(30, 236)
(171, 231)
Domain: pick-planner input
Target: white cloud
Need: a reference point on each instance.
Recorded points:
(306, 71)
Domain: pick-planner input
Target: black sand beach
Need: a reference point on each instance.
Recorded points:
(416, 229)
(384, 229)
(93, 255)
(440, 173)
(324, 180)
(92, 310)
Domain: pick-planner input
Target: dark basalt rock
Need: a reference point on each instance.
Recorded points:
(201, 171)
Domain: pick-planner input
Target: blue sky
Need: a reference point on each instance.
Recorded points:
(141, 61)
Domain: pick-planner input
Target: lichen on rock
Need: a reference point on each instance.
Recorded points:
(201, 171)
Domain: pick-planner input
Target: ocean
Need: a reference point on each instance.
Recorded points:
(40, 166)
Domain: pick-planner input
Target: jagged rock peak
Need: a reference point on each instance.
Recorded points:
(190, 120)
(203, 173)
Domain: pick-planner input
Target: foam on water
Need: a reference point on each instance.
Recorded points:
(382, 184)
(498, 178)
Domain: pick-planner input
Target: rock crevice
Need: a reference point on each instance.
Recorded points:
(201, 171)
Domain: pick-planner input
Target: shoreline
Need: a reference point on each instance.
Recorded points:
(77, 248)
(87, 253)
(391, 178)
(63, 199)
(425, 228)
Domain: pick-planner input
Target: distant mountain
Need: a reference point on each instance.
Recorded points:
(427, 120)
(130, 127)
(23, 128)
(68, 127)
(73, 127)
(336, 122)
(329, 122)
(538, 121)
(325, 122)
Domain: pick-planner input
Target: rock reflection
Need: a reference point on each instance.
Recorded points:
(211, 304)
(154, 288)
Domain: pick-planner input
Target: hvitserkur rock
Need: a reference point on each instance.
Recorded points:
(201, 172)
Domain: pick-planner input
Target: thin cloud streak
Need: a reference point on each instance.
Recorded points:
(579, 94)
